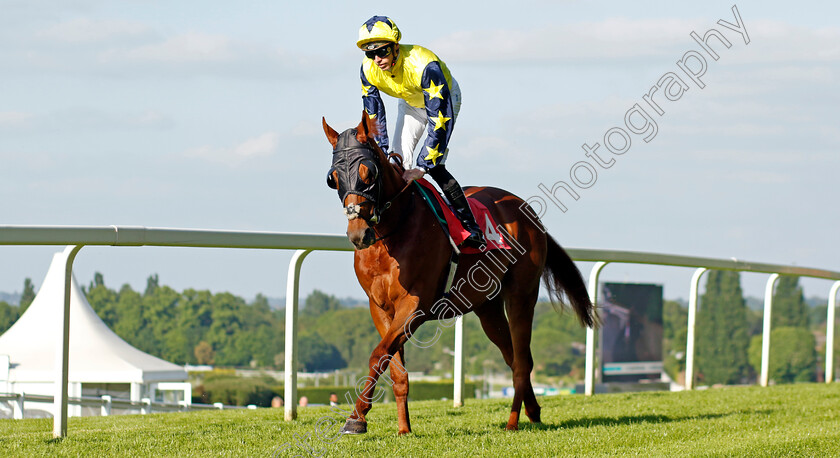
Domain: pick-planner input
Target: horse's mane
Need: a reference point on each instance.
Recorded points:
(372, 131)
(394, 159)
(396, 164)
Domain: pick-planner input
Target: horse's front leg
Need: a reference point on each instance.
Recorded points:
(403, 325)
(399, 375)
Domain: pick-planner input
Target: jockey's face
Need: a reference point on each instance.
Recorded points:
(387, 62)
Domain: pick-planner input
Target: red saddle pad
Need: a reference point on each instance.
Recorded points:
(485, 221)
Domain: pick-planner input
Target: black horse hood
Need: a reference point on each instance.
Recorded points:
(348, 155)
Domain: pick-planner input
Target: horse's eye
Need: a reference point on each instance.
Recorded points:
(332, 178)
(368, 172)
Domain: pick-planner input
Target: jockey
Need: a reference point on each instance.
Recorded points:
(429, 96)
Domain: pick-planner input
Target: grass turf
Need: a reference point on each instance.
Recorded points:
(801, 420)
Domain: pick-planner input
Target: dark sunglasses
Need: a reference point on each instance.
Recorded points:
(384, 51)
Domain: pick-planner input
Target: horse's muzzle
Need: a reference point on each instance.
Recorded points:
(362, 238)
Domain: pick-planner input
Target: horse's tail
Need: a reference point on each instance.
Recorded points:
(562, 278)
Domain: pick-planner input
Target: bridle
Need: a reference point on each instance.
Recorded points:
(348, 156)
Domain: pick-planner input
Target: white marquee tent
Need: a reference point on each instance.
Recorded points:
(100, 361)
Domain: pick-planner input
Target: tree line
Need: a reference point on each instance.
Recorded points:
(222, 329)
(729, 335)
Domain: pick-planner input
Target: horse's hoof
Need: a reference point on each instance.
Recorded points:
(352, 426)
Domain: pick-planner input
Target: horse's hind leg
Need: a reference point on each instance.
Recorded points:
(520, 312)
(495, 325)
(497, 328)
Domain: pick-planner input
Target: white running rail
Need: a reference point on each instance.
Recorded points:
(75, 237)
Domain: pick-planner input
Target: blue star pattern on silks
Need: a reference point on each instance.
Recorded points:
(376, 110)
(372, 22)
(440, 112)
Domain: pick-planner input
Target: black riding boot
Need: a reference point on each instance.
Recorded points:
(455, 195)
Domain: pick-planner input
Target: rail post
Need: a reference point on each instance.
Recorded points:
(458, 372)
(290, 373)
(691, 327)
(19, 407)
(62, 353)
(765, 332)
(589, 380)
(106, 406)
(829, 332)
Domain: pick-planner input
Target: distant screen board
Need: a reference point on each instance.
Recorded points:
(631, 331)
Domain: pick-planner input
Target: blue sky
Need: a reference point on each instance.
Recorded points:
(207, 115)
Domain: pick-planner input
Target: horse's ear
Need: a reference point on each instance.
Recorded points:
(332, 135)
(363, 131)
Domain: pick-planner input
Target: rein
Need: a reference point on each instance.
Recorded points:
(405, 211)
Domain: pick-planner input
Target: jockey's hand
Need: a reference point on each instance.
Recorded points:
(413, 174)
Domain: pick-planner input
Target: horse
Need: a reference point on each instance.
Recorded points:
(401, 260)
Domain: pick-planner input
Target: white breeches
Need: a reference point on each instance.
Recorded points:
(411, 124)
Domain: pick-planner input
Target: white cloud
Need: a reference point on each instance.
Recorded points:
(86, 30)
(132, 49)
(622, 38)
(14, 118)
(264, 145)
(82, 119)
(305, 129)
(759, 177)
(610, 38)
(261, 146)
(189, 47)
(17, 161)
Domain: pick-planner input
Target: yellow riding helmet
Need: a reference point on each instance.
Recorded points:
(378, 29)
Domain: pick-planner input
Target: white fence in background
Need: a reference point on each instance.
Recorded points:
(19, 401)
(76, 237)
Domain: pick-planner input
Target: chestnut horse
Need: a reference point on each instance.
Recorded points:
(402, 258)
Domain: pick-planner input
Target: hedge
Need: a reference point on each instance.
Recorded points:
(418, 391)
(238, 391)
(244, 391)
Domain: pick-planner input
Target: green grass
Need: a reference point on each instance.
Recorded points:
(802, 420)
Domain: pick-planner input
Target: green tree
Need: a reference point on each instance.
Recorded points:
(27, 296)
(793, 356)
(226, 315)
(789, 307)
(674, 335)
(103, 300)
(131, 324)
(98, 280)
(319, 302)
(8, 315)
(722, 335)
(264, 331)
(317, 355)
(204, 353)
(159, 313)
(152, 284)
(193, 318)
(555, 344)
(350, 330)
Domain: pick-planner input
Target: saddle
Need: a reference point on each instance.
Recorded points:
(453, 227)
